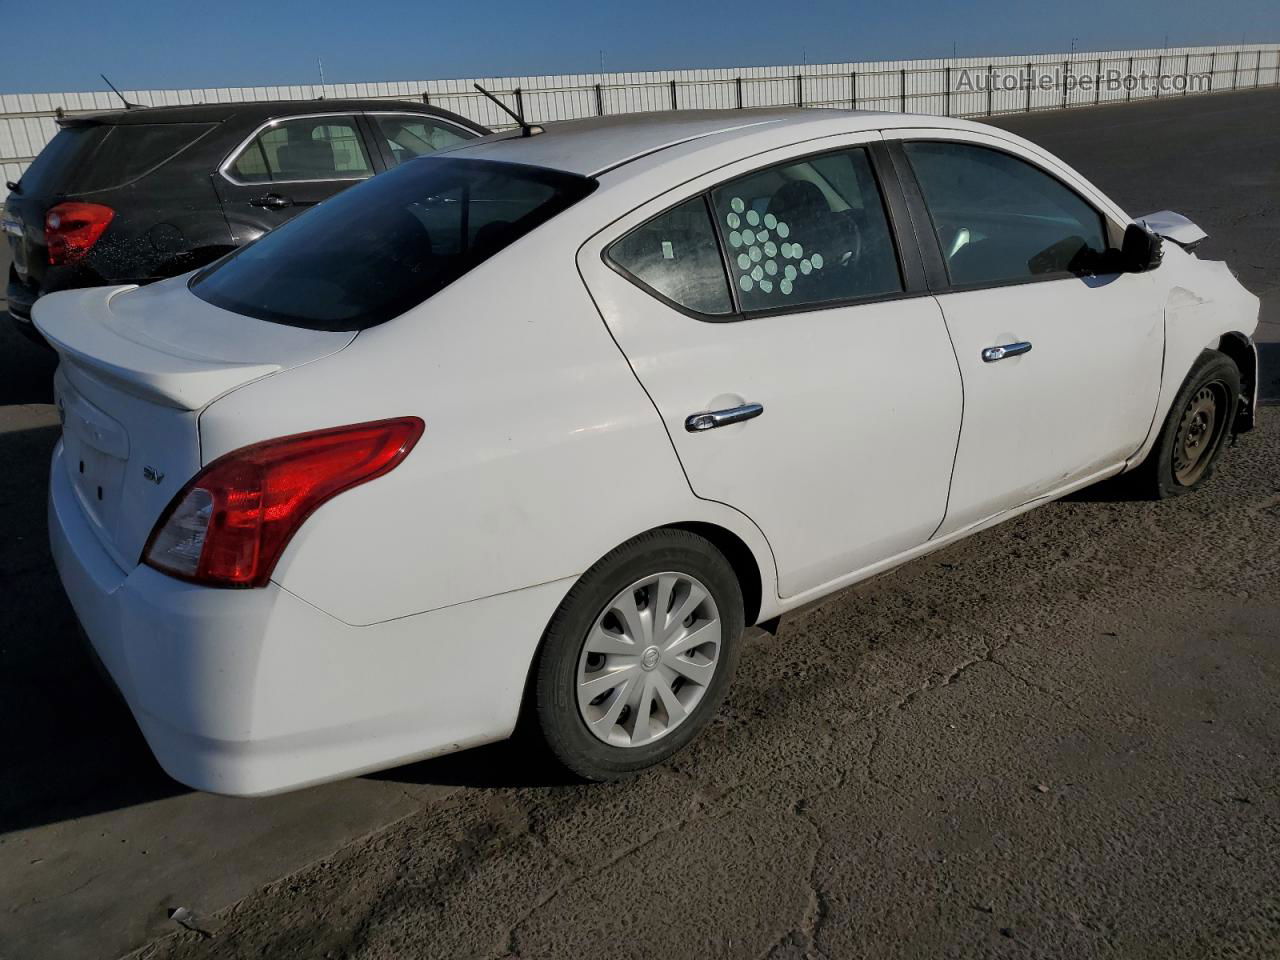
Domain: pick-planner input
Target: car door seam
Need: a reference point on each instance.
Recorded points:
(665, 429)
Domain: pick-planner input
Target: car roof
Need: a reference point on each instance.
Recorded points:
(599, 145)
(255, 111)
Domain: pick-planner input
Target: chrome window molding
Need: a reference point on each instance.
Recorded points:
(225, 167)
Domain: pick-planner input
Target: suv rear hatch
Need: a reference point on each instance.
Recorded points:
(86, 158)
(137, 367)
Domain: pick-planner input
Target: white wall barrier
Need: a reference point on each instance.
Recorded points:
(961, 86)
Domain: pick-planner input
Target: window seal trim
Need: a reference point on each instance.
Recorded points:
(738, 314)
(910, 257)
(1025, 281)
(274, 121)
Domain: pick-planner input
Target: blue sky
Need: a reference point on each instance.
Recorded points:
(55, 46)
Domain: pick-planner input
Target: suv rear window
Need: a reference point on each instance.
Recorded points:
(384, 246)
(86, 157)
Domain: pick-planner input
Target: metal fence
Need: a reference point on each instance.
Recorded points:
(959, 87)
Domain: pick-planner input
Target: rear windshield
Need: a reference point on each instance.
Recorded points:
(84, 158)
(384, 246)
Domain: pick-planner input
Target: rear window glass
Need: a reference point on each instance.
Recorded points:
(51, 171)
(386, 245)
(100, 156)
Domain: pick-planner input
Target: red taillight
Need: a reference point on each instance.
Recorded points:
(71, 229)
(230, 524)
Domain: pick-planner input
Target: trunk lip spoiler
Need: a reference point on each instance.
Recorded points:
(186, 383)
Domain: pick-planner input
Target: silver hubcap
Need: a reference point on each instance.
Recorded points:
(648, 659)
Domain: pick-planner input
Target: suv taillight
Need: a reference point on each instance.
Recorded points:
(230, 524)
(71, 229)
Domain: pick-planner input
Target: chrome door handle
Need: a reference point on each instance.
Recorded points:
(709, 420)
(992, 354)
(272, 201)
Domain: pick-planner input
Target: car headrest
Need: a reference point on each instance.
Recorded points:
(798, 200)
(307, 159)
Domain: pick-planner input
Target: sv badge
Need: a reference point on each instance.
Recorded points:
(152, 474)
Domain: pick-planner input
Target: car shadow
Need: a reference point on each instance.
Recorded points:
(517, 763)
(1269, 373)
(70, 747)
(26, 368)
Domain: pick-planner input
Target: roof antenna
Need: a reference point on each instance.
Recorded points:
(526, 129)
(127, 104)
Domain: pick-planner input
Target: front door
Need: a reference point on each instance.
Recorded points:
(1061, 365)
(809, 389)
(287, 166)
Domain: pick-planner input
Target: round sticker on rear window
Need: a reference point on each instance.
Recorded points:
(735, 239)
(770, 220)
(783, 230)
(753, 218)
(733, 221)
(737, 205)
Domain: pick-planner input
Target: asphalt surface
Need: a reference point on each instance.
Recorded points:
(1056, 739)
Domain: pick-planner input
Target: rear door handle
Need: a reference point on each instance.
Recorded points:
(272, 201)
(1002, 352)
(710, 419)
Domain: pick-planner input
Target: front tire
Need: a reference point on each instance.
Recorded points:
(638, 657)
(1195, 431)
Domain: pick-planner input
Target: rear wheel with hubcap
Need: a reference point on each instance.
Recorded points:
(638, 657)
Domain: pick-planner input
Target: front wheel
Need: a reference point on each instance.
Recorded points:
(1195, 430)
(638, 657)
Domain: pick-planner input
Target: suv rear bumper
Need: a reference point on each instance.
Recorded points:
(19, 299)
(251, 692)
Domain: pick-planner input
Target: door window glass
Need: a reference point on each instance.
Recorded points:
(807, 231)
(409, 136)
(1000, 219)
(675, 254)
(304, 148)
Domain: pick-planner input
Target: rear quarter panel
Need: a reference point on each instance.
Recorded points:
(541, 451)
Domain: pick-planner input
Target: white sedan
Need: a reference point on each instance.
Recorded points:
(532, 429)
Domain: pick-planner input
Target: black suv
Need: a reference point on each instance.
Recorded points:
(141, 194)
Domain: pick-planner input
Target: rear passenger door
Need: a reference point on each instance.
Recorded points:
(288, 165)
(802, 370)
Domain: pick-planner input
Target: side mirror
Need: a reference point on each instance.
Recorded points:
(1141, 250)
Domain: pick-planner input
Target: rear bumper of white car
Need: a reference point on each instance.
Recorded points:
(248, 692)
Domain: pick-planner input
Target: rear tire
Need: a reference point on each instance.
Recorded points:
(1195, 431)
(637, 659)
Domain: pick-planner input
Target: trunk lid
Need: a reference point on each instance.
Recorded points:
(137, 365)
